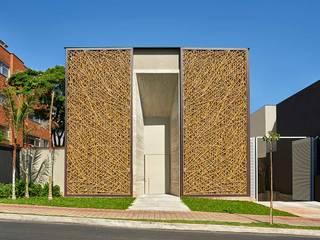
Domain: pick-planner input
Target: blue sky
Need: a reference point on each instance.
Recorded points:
(283, 36)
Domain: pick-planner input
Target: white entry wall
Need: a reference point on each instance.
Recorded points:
(154, 147)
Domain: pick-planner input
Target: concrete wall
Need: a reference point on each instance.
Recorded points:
(154, 59)
(58, 166)
(174, 147)
(137, 141)
(261, 122)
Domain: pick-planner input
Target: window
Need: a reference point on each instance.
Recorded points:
(36, 142)
(5, 132)
(33, 141)
(36, 119)
(4, 69)
(2, 99)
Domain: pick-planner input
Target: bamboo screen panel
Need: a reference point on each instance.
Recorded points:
(98, 122)
(215, 140)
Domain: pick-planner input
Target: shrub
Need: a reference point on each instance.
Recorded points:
(35, 190)
(20, 188)
(55, 190)
(5, 190)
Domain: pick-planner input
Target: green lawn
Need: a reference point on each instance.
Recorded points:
(101, 203)
(229, 206)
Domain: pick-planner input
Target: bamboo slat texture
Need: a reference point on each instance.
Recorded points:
(215, 140)
(98, 122)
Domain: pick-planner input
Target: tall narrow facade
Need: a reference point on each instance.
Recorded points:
(157, 120)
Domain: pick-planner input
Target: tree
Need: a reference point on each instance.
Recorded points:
(17, 105)
(51, 80)
(49, 86)
(271, 138)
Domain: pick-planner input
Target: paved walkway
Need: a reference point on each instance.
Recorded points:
(155, 215)
(161, 202)
(302, 209)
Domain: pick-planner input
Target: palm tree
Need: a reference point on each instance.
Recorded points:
(271, 138)
(17, 106)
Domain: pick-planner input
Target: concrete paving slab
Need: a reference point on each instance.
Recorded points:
(161, 202)
(302, 209)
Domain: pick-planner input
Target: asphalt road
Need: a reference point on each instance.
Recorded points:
(37, 231)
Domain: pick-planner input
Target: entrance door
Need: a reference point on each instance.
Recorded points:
(154, 147)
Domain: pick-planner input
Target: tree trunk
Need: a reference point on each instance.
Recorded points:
(50, 149)
(26, 195)
(271, 186)
(14, 162)
(26, 158)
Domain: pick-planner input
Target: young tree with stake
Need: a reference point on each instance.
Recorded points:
(271, 138)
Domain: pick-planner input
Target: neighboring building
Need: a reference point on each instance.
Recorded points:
(263, 121)
(297, 156)
(299, 114)
(157, 120)
(10, 64)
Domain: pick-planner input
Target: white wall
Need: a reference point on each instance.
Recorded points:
(137, 141)
(58, 166)
(174, 147)
(261, 122)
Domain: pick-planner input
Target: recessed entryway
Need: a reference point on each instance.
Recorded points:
(156, 128)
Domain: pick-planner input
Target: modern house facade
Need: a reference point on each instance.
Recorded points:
(297, 155)
(157, 120)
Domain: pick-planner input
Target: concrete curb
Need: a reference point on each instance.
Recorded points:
(155, 225)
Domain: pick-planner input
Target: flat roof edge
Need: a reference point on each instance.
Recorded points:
(191, 48)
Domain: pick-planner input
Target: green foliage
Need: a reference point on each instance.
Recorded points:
(271, 137)
(43, 83)
(229, 206)
(35, 190)
(17, 106)
(2, 137)
(20, 188)
(55, 190)
(5, 190)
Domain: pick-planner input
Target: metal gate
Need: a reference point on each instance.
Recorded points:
(293, 160)
(302, 176)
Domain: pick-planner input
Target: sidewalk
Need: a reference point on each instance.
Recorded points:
(151, 215)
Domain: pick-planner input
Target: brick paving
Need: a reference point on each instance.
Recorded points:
(154, 215)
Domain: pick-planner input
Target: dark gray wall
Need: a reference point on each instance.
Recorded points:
(5, 164)
(299, 115)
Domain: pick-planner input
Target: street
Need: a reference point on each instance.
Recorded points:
(37, 231)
